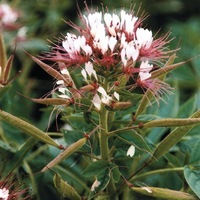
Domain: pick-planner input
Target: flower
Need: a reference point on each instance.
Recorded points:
(8, 17)
(10, 189)
(4, 194)
(131, 151)
(108, 47)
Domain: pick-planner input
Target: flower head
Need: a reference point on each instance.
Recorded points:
(109, 46)
(10, 189)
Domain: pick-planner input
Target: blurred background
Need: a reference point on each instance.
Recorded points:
(43, 21)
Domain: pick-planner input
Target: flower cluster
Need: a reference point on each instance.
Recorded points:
(110, 47)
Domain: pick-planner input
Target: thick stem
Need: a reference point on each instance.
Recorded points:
(103, 120)
(104, 147)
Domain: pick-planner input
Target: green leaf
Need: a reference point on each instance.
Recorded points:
(115, 172)
(95, 168)
(172, 139)
(192, 171)
(132, 137)
(102, 181)
(195, 155)
(162, 193)
(192, 177)
(27, 128)
(66, 190)
(4, 89)
(66, 153)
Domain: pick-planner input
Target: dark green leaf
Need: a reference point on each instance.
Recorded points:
(95, 168)
(132, 137)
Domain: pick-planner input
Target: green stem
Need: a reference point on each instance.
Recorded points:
(104, 134)
(158, 171)
(104, 148)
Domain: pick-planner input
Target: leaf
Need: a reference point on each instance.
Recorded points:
(168, 122)
(27, 128)
(192, 171)
(95, 168)
(66, 190)
(162, 193)
(115, 172)
(102, 179)
(173, 138)
(132, 137)
(66, 153)
(192, 177)
(195, 155)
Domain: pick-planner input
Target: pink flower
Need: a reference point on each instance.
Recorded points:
(111, 45)
(8, 17)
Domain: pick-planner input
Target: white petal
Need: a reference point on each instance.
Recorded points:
(116, 95)
(112, 43)
(4, 194)
(97, 101)
(64, 71)
(131, 151)
(60, 82)
(83, 72)
(94, 185)
(144, 37)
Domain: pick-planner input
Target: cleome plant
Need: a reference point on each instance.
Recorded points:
(115, 98)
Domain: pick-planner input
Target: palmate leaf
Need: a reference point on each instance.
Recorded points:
(192, 171)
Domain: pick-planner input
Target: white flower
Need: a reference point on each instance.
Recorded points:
(128, 22)
(94, 22)
(88, 70)
(73, 44)
(112, 22)
(131, 151)
(144, 38)
(4, 194)
(100, 98)
(145, 68)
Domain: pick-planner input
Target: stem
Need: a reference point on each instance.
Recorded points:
(104, 148)
(103, 133)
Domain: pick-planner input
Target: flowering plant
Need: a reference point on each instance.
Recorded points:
(111, 78)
